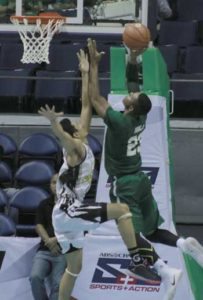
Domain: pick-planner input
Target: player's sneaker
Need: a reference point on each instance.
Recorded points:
(193, 248)
(142, 272)
(170, 278)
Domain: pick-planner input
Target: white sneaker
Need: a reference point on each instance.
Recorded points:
(170, 279)
(193, 248)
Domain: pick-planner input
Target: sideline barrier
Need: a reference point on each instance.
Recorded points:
(15, 264)
(105, 257)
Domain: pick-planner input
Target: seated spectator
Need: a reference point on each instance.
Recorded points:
(48, 261)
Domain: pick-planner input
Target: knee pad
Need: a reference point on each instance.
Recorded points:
(70, 273)
(125, 216)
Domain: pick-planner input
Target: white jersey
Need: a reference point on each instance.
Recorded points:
(83, 173)
(67, 226)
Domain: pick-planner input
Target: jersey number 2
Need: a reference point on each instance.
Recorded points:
(133, 146)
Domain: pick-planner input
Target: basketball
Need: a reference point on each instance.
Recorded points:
(136, 36)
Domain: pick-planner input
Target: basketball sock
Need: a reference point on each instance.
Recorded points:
(146, 250)
(135, 256)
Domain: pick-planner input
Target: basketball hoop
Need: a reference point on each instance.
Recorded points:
(36, 38)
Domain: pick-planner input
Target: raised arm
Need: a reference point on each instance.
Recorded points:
(99, 103)
(68, 142)
(132, 72)
(86, 111)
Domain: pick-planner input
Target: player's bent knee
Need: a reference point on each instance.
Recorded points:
(124, 217)
(70, 273)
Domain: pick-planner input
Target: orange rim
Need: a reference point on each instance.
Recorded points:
(44, 17)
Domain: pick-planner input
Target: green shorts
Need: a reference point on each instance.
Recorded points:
(135, 190)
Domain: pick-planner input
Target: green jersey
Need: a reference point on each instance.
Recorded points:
(122, 142)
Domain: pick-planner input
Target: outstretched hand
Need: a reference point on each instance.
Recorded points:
(49, 113)
(134, 53)
(83, 61)
(95, 56)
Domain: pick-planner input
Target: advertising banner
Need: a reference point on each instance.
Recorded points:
(103, 275)
(15, 265)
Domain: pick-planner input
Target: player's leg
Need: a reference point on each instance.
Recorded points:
(170, 276)
(90, 216)
(122, 215)
(146, 249)
(163, 236)
(188, 245)
(74, 263)
(152, 219)
(146, 218)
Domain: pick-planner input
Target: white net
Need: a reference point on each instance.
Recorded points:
(36, 39)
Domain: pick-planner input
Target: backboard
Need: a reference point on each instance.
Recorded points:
(72, 10)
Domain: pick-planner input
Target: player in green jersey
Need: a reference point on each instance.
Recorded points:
(130, 185)
(123, 162)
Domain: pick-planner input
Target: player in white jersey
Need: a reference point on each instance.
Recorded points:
(71, 189)
(71, 217)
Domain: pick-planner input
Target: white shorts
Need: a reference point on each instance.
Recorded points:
(71, 223)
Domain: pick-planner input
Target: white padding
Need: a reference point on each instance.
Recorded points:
(125, 216)
(72, 274)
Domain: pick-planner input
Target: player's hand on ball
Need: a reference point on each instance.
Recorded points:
(137, 52)
(133, 54)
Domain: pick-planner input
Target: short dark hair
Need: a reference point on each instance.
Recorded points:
(144, 104)
(67, 126)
